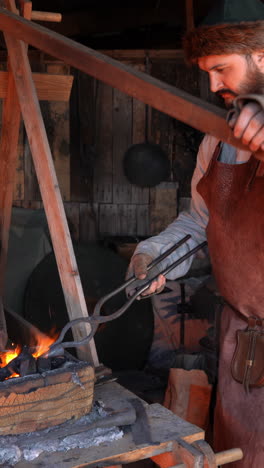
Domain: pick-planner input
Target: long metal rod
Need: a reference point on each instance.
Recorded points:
(149, 267)
(58, 347)
(183, 258)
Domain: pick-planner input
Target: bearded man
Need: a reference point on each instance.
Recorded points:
(227, 208)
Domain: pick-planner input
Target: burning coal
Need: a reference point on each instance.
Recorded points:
(29, 360)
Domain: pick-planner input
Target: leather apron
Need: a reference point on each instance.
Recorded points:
(234, 195)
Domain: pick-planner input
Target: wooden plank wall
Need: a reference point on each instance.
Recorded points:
(56, 119)
(88, 139)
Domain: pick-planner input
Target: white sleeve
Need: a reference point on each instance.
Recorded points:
(193, 222)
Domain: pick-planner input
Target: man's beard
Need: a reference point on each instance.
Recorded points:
(252, 84)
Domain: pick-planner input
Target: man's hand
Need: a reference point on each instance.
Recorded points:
(248, 126)
(138, 267)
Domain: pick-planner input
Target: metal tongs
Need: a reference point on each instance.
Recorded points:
(57, 348)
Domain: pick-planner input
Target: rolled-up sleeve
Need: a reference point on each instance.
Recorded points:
(191, 222)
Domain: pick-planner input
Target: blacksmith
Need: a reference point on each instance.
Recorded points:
(227, 209)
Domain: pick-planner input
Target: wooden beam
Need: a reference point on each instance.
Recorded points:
(46, 16)
(91, 20)
(27, 12)
(26, 7)
(189, 15)
(60, 235)
(9, 153)
(127, 55)
(49, 87)
(139, 55)
(189, 109)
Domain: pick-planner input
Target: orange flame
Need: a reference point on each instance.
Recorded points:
(42, 343)
(8, 356)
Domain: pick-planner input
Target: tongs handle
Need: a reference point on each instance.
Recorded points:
(146, 284)
(182, 259)
(97, 319)
(168, 252)
(133, 278)
(168, 269)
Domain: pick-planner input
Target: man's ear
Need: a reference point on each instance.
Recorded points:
(258, 58)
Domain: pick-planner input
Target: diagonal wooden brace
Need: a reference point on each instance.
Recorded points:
(191, 110)
(52, 201)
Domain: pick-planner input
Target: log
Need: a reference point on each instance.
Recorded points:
(36, 402)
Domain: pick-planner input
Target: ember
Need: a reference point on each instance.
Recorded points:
(27, 360)
(8, 356)
(47, 390)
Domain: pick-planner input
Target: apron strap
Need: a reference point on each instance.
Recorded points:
(214, 158)
(260, 169)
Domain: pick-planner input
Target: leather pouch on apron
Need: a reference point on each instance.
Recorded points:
(247, 366)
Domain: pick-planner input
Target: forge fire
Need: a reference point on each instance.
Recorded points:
(28, 359)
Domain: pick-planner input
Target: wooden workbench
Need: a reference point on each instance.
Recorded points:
(167, 430)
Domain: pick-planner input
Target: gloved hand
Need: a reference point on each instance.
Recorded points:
(247, 122)
(138, 267)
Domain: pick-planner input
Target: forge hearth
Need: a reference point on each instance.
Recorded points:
(25, 363)
(44, 400)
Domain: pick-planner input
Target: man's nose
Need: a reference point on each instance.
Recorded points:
(215, 83)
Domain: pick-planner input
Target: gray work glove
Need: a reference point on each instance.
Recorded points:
(241, 100)
(247, 122)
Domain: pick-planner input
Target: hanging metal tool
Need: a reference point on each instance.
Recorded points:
(146, 164)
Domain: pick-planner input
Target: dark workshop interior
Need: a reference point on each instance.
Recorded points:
(111, 203)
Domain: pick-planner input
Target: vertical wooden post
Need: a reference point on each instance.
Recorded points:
(9, 152)
(67, 266)
(189, 15)
(26, 7)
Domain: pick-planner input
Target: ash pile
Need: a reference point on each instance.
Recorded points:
(85, 432)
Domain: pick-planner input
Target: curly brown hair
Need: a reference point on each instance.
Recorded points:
(237, 38)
